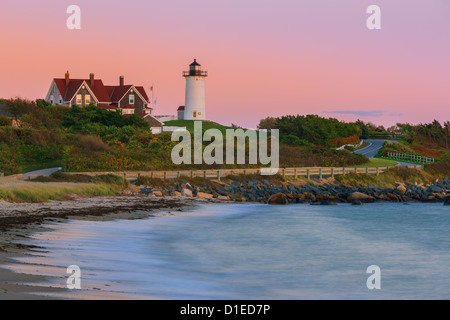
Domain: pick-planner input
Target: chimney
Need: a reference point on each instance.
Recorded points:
(121, 81)
(67, 78)
(91, 78)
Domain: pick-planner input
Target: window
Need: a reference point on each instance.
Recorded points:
(131, 99)
(87, 99)
(194, 114)
(79, 101)
(51, 99)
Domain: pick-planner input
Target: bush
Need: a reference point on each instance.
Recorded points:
(315, 129)
(80, 178)
(5, 121)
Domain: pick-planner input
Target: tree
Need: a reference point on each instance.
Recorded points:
(364, 129)
(447, 129)
(267, 123)
(5, 121)
(135, 120)
(91, 119)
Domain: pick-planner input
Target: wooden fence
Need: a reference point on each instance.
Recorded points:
(318, 172)
(410, 157)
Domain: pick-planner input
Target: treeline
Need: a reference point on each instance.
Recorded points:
(312, 130)
(432, 133)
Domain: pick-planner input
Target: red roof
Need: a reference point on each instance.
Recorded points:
(104, 94)
(117, 92)
(68, 92)
(181, 108)
(143, 93)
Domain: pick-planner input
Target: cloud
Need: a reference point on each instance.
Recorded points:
(396, 114)
(372, 113)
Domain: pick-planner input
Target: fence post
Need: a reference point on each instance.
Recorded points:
(307, 173)
(378, 171)
(165, 175)
(218, 175)
(367, 170)
(320, 173)
(295, 172)
(332, 172)
(283, 173)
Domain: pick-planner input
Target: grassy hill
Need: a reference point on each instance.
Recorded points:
(189, 124)
(94, 139)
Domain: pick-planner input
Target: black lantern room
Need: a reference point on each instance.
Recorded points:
(195, 70)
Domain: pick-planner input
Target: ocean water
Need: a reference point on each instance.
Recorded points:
(255, 251)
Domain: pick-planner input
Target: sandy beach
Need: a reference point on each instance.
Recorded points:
(19, 220)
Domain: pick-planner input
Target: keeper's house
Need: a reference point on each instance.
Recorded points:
(129, 99)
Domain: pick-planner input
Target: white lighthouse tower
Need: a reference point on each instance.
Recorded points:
(194, 108)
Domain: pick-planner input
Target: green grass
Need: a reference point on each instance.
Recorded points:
(376, 162)
(17, 190)
(388, 179)
(189, 124)
(403, 160)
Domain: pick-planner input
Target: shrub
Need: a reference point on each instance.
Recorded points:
(5, 121)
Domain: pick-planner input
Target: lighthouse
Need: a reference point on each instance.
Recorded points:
(194, 108)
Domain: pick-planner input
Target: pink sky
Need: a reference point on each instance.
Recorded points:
(264, 57)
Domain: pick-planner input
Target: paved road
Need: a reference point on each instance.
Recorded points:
(44, 172)
(372, 149)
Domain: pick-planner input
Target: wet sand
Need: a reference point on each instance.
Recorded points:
(19, 221)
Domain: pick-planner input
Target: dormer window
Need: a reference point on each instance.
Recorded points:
(131, 101)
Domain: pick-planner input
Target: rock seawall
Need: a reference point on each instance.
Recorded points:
(286, 192)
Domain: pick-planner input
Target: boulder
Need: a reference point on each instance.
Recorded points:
(359, 196)
(204, 195)
(278, 198)
(145, 190)
(157, 193)
(357, 203)
(186, 192)
(223, 198)
(401, 188)
(327, 203)
(175, 194)
(435, 188)
(447, 201)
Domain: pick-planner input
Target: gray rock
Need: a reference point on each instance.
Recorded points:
(447, 201)
(327, 203)
(435, 188)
